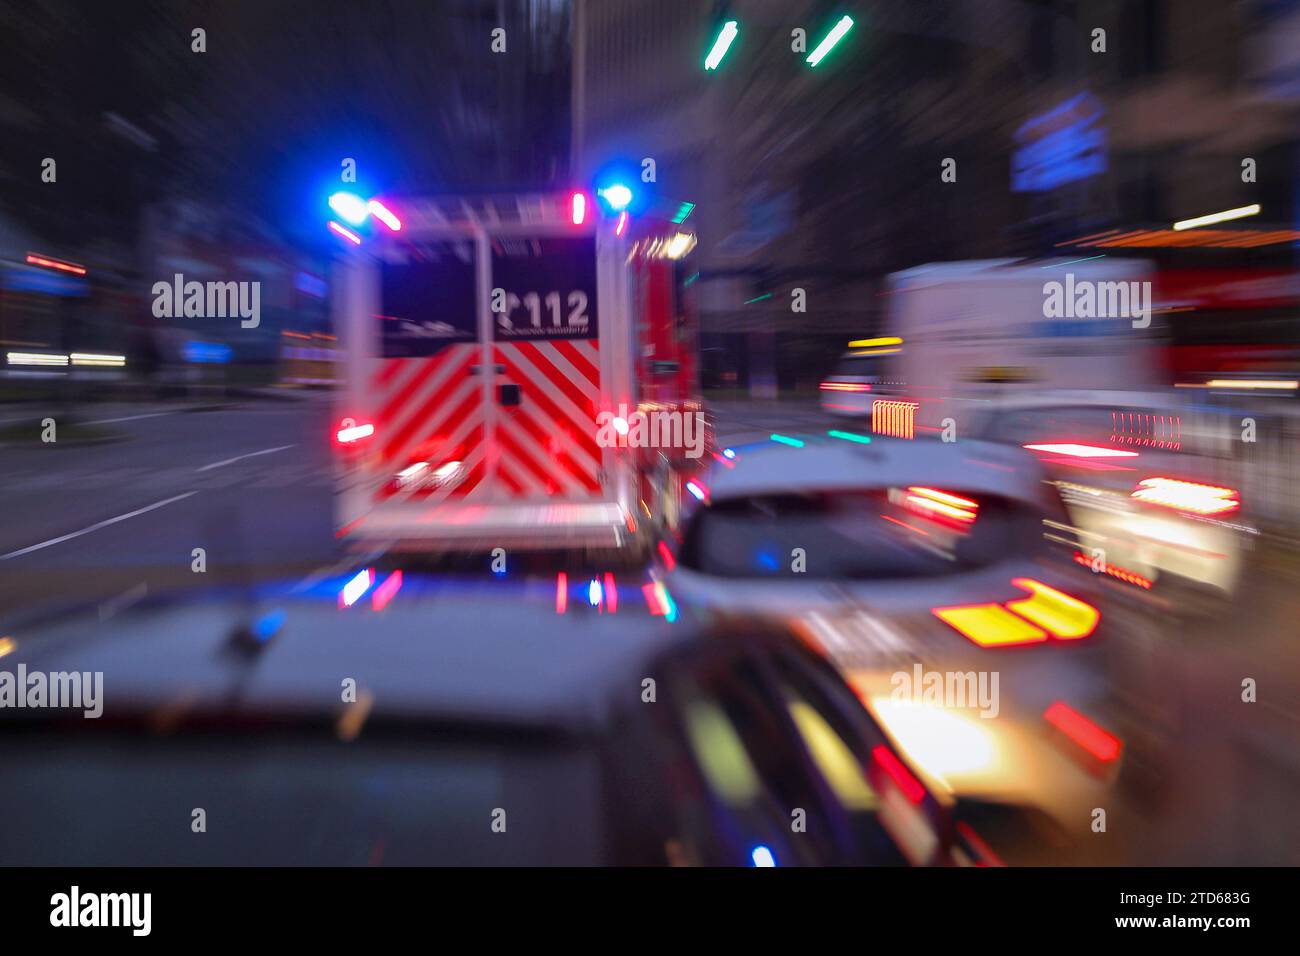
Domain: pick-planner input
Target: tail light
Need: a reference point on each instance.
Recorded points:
(1187, 496)
(845, 387)
(1046, 613)
(1097, 742)
(940, 504)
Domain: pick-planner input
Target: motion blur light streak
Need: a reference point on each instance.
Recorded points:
(1258, 383)
(849, 436)
(722, 44)
(385, 592)
(1240, 212)
(1187, 496)
(667, 555)
(837, 33)
(1078, 728)
(621, 226)
(762, 857)
(578, 208)
(561, 593)
(786, 440)
(1083, 451)
(698, 491)
(1128, 577)
(35, 358)
(384, 215)
(593, 593)
(358, 585)
(346, 233)
(611, 593)
(59, 264)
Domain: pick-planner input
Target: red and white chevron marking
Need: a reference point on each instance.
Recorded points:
(546, 445)
(431, 409)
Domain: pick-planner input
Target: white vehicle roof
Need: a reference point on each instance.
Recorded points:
(837, 465)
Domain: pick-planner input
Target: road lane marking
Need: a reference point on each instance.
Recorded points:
(128, 418)
(251, 454)
(95, 527)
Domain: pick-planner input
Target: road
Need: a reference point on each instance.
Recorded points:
(250, 485)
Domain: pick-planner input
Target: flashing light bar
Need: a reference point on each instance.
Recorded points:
(722, 44)
(35, 358)
(617, 196)
(351, 207)
(1082, 451)
(1241, 212)
(837, 33)
(384, 215)
(34, 260)
(348, 234)
(358, 585)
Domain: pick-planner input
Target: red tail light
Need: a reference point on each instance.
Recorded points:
(940, 504)
(1187, 496)
(1099, 743)
(845, 387)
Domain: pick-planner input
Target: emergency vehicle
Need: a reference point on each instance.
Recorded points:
(482, 338)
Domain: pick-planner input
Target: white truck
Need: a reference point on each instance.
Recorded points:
(980, 331)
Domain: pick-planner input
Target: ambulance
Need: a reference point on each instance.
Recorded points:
(483, 339)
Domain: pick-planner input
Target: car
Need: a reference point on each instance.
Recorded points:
(1153, 496)
(434, 725)
(859, 377)
(907, 559)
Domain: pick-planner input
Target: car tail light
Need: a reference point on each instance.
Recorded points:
(1098, 742)
(1067, 618)
(1047, 612)
(1187, 496)
(990, 625)
(934, 503)
(845, 387)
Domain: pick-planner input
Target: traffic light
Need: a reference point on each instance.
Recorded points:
(721, 44)
(828, 42)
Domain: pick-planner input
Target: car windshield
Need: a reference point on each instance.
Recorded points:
(879, 533)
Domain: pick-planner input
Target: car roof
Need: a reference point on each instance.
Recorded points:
(831, 464)
(1088, 398)
(440, 652)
